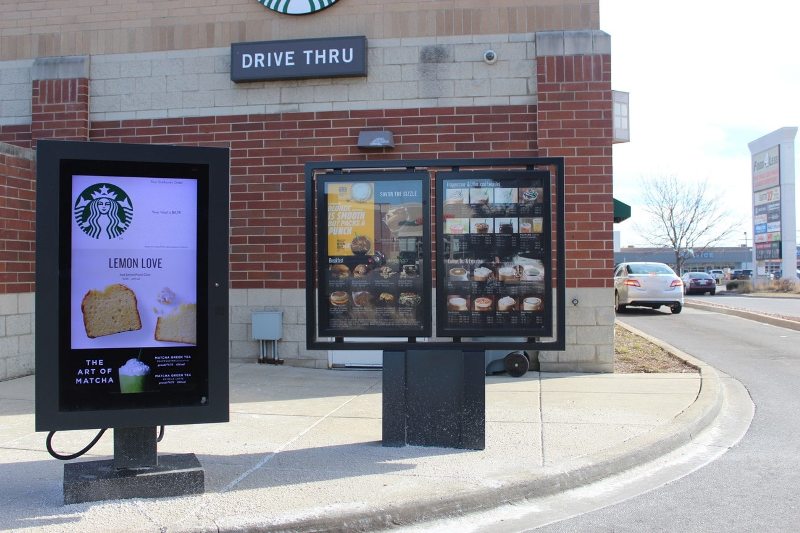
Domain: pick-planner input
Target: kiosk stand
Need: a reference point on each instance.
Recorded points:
(434, 398)
(132, 300)
(500, 279)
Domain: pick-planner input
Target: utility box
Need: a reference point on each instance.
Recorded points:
(268, 327)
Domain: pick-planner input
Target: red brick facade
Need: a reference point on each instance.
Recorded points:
(573, 119)
(575, 122)
(268, 154)
(17, 219)
(60, 109)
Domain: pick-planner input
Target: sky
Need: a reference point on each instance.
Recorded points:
(705, 78)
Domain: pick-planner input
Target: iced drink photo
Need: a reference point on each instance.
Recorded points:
(132, 376)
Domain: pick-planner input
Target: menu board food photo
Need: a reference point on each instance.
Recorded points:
(374, 267)
(493, 254)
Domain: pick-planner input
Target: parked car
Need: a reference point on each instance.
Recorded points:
(742, 274)
(698, 282)
(647, 285)
(718, 275)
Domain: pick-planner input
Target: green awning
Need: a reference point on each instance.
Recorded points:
(622, 211)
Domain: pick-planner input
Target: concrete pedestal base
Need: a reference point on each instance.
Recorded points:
(175, 475)
(434, 398)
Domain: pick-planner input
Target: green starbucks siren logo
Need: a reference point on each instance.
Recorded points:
(296, 7)
(103, 211)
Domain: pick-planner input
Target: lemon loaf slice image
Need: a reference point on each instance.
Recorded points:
(178, 326)
(112, 310)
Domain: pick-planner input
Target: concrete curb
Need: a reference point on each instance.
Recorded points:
(750, 315)
(582, 471)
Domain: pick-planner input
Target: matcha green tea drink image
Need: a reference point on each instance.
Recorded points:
(132, 376)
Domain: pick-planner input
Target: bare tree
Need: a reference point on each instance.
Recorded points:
(686, 218)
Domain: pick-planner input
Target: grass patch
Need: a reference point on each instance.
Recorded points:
(636, 355)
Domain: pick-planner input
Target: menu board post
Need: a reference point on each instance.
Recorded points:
(452, 414)
(132, 287)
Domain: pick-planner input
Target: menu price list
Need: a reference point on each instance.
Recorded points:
(364, 296)
(493, 249)
(484, 295)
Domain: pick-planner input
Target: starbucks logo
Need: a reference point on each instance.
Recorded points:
(296, 7)
(103, 211)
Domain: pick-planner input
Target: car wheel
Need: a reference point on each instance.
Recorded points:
(618, 307)
(712, 293)
(676, 308)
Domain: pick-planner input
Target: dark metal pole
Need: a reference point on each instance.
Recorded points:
(135, 448)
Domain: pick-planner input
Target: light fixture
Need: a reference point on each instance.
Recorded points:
(375, 139)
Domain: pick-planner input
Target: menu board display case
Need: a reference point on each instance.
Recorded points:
(493, 235)
(131, 243)
(374, 257)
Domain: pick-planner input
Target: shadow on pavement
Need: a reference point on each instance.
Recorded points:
(33, 494)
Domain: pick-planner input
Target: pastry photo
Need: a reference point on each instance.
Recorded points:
(339, 298)
(340, 271)
(112, 310)
(360, 245)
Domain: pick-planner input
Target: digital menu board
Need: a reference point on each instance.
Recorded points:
(129, 314)
(131, 285)
(131, 321)
(374, 260)
(493, 254)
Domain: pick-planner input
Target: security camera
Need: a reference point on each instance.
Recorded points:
(490, 56)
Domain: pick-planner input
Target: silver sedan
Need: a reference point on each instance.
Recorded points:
(647, 285)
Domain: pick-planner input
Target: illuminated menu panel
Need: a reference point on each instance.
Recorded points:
(374, 266)
(132, 320)
(493, 254)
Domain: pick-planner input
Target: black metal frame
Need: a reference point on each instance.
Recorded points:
(55, 160)
(354, 167)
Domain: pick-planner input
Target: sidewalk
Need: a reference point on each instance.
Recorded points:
(302, 451)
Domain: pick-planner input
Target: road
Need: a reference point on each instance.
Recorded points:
(752, 484)
(756, 485)
(773, 306)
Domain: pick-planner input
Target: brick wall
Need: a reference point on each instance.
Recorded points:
(268, 153)
(17, 220)
(60, 109)
(317, 120)
(575, 121)
(17, 240)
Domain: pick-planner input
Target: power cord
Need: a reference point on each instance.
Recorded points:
(88, 447)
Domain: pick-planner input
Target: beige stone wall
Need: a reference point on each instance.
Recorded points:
(16, 335)
(33, 28)
(589, 333)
